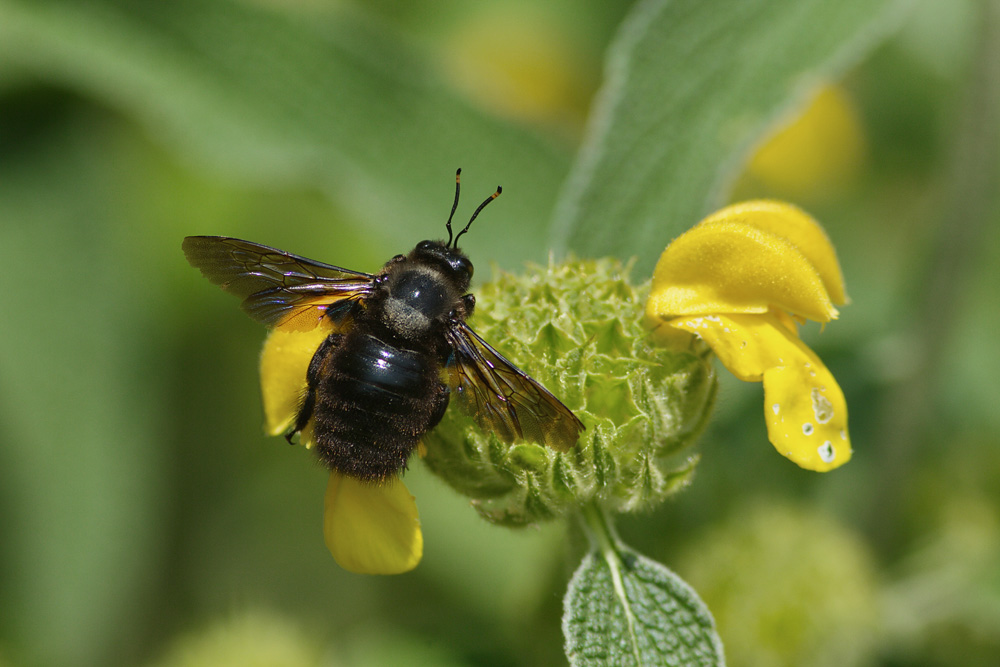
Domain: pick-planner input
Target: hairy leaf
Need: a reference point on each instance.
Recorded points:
(689, 87)
(625, 609)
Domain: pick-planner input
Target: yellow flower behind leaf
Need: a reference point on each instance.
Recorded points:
(369, 528)
(740, 279)
(817, 152)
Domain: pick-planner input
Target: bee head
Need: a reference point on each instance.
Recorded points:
(446, 258)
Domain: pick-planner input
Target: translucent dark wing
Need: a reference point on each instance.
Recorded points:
(504, 399)
(277, 287)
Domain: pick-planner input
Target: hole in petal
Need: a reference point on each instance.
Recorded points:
(822, 407)
(776, 409)
(826, 452)
(807, 429)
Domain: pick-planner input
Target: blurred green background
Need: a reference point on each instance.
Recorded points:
(144, 517)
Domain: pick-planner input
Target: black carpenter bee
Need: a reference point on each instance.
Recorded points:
(400, 349)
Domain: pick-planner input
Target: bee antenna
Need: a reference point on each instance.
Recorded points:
(458, 187)
(481, 207)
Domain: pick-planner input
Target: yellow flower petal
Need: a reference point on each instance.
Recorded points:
(734, 267)
(790, 322)
(798, 227)
(807, 415)
(805, 409)
(747, 345)
(283, 365)
(372, 528)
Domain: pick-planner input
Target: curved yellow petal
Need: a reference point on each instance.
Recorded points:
(372, 528)
(807, 415)
(747, 345)
(796, 226)
(733, 267)
(284, 361)
(804, 407)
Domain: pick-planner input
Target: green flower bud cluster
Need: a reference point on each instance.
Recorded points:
(577, 328)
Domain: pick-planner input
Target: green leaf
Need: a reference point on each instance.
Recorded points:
(81, 467)
(630, 610)
(321, 98)
(625, 609)
(689, 87)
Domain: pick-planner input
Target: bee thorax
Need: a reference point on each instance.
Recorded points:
(416, 299)
(404, 320)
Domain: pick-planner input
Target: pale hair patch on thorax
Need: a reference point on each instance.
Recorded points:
(402, 317)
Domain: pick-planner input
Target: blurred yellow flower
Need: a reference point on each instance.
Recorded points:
(370, 528)
(816, 152)
(519, 62)
(742, 280)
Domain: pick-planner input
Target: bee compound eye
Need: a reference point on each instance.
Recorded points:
(462, 265)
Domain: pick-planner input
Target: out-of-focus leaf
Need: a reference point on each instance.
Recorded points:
(320, 98)
(625, 609)
(689, 86)
(81, 456)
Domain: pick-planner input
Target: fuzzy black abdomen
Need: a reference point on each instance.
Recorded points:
(373, 405)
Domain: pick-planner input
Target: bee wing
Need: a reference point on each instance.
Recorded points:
(277, 287)
(503, 398)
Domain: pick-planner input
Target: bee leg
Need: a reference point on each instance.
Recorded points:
(312, 379)
(469, 302)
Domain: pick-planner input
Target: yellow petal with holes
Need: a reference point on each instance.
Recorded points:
(807, 415)
(733, 267)
(797, 227)
(283, 365)
(804, 407)
(372, 528)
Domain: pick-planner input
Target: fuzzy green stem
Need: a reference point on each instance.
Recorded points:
(601, 532)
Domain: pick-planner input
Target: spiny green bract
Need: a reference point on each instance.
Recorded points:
(577, 328)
